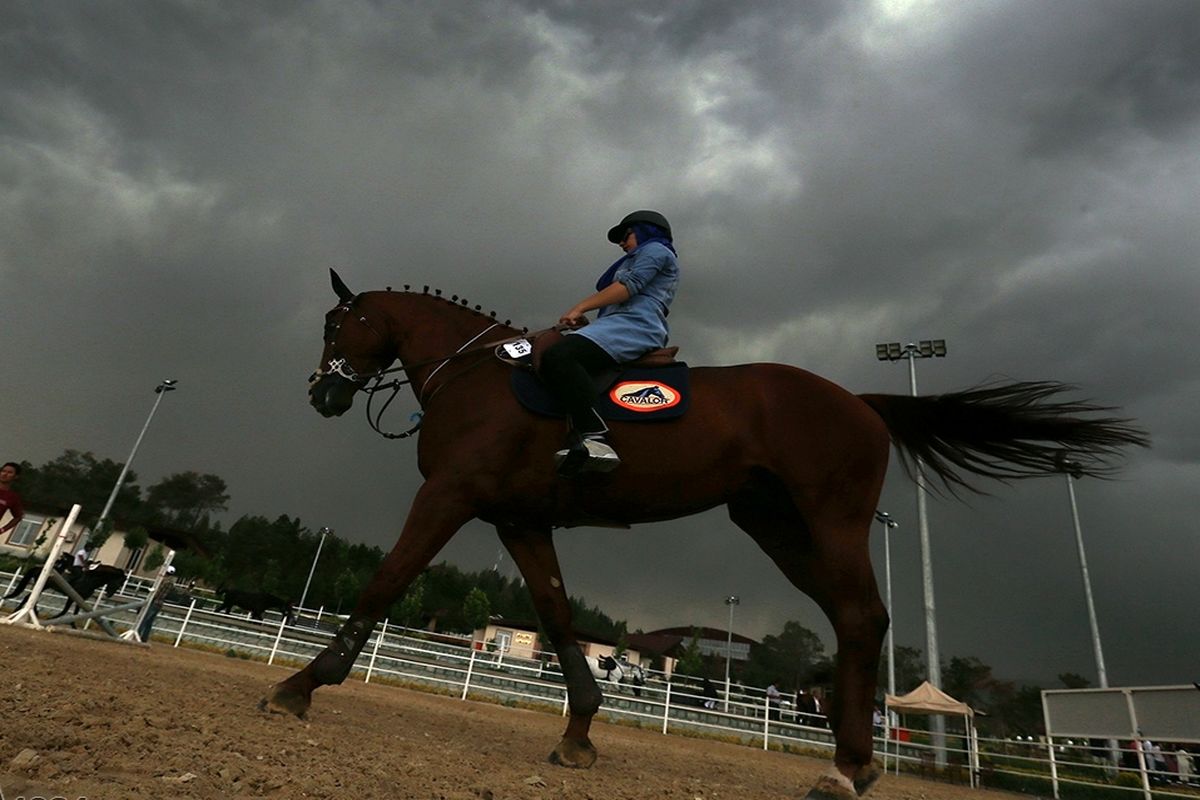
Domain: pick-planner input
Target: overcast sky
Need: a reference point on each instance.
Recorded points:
(1018, 178)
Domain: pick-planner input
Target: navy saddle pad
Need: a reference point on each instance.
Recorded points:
(643, 394)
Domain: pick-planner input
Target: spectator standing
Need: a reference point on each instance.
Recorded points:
(1184, 765)
(156, 604)
(10, 501)
(773, 698)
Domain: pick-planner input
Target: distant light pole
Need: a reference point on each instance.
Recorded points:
(731, 601)
(167, 385)
(304, 595)
(894, 351)
(888, 523)
(1074, 471)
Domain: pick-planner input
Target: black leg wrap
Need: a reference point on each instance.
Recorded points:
(584, 697)
(333, 663)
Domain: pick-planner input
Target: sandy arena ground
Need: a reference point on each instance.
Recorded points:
(84, 718)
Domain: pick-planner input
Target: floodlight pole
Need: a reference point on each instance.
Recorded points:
(731, 601)
(1072, 470)
(167, 385)
(888, 523)
(324, 532)
(893, 351)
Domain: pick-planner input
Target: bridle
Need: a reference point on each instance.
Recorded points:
(373, 383)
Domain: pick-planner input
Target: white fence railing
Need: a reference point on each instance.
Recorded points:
(452, 666)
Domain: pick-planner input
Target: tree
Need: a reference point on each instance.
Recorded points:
(186, 498)
(968, 679)
(910, 669)
(791, 658)
(136, 538)
(410, 605)
(476, 609)
(1073, 680)
(79, 477)
(1015, 711)
(346, 585)
(155, 558)
(690, 662)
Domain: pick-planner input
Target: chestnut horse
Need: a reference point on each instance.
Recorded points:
(797, 461)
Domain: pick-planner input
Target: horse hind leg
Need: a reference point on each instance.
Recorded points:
(532, 550)
(830, 562)
(22, 585)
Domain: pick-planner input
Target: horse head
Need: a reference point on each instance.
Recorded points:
(356, 349)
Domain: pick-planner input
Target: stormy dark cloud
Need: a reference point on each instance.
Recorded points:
(1016, 178)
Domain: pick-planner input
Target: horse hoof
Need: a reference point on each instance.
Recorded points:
(866, 777)
(577, 755)
(282, 699)
(832, 787)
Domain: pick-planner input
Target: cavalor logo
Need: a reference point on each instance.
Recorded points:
(644, 396)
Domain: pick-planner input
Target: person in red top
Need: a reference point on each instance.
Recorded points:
(10, 501)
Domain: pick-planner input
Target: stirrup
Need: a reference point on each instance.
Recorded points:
(587, 454)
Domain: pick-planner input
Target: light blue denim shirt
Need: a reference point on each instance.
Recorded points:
(629, 330)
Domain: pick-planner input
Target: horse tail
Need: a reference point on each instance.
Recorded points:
(1004, 431)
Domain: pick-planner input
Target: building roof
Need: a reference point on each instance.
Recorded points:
(686, 632)
(654, 643)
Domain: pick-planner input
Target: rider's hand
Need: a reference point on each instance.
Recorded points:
(573, 318)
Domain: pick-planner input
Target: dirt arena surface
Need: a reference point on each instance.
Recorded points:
(84, 718)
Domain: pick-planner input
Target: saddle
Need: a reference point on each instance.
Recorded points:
(652, 388)
(662, 357)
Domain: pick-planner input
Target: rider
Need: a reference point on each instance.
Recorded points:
(633, 296)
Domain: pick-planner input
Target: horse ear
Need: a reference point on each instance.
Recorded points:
(339, 287)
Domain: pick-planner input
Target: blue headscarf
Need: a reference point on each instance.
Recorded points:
(645, 233)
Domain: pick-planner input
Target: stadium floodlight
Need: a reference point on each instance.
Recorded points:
(164, 386)
(925, 348)
(894, 351)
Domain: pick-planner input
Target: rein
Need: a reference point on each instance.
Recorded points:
(340, 367)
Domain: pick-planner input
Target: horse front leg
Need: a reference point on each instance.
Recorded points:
(436, 515)
(533, 551)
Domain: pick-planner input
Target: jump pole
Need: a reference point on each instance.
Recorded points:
(27, 614)
(97, 614)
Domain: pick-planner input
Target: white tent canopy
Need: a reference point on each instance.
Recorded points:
(928, 699)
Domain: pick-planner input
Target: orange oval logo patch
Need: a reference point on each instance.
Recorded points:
(644, 396)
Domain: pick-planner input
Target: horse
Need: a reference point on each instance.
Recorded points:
(85, 581)
(62, 565)
(797, 461)
(256, 603)
(617, 671)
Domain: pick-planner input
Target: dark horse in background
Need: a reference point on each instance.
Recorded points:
(257, 603)
(84, 581)
(797, 461)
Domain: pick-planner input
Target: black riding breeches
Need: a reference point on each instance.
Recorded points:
(568, 369)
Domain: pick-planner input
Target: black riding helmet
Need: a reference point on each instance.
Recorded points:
(616, 232)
